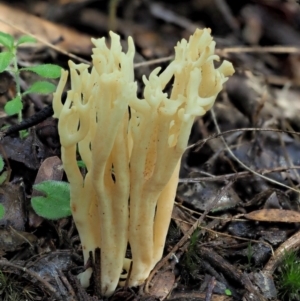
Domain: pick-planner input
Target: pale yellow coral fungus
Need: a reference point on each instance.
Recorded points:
(132, 161)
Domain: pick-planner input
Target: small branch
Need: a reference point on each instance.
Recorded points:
(238, 175)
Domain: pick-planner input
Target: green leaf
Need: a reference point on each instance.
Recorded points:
(1, 163)
(7, 40)
(228, 292)
(56, 203)
(3, 177)
(45, 70)
(81, 164)
(5, 59)
(23, 134)
(13, 106)
(2, 211)
(41, 87)
(26, 39)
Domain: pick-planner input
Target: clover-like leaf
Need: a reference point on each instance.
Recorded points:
(56, 202)
(25, 39)
(45, 70)
(13, 106)
(5, 59)
(6, 40)
(41, 87)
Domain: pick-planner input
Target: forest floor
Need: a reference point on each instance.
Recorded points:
(235, 232)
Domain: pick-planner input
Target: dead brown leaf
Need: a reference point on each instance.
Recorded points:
(12, 240)
(274, 215)
(63, 37)
(162, 284)
(51, 169)
(12, 198)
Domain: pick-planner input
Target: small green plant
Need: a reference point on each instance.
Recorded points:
(81, 164)
(250, 253)
(288, 279)
(56, 202)
(192, 260)
(1, 163)
(2, 211)
(3, 173)
(9, 62)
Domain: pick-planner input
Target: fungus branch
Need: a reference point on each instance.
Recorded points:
(132, 163)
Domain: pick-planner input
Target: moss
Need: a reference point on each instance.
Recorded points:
(288, 277)
(191, 260)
